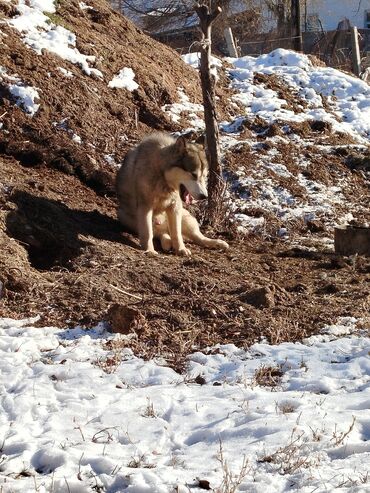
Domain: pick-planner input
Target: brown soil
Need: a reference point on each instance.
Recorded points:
(64, 256)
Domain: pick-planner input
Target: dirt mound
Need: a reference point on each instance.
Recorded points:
(73, 105)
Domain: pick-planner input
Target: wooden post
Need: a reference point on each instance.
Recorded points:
(231, 48)
(356, 59)
(296, 25)
(215, 181)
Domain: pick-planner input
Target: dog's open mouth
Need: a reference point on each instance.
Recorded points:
(185, 195)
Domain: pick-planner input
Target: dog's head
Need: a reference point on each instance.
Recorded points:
(189, 172)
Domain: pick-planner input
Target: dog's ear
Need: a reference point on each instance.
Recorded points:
(201, 140)
(181, 145)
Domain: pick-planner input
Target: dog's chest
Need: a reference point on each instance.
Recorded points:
(165, 201)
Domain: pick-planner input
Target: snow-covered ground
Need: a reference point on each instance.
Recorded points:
(326, 94)
(318, 88)
(81, 413)
(321, 94)
(25, 96)
(39, 32)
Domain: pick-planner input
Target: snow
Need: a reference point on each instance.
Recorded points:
(65, 72)
(76, 138)
(192, 111)
(124, 80)
(348, 96)
(39, 33)
(24, 95)
(193, 59)
(322, 93)
(76, 415)
(84, 6)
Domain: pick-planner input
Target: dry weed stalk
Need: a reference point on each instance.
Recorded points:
(289, 458)
(339, 437)
(285, 407)
(230, 482)
(111, 363)
(139, 461)
(149, 410)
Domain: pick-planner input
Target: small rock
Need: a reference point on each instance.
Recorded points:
(123, 319)
(200, 380)
(315, 226)
(203, 484)
(260, 297)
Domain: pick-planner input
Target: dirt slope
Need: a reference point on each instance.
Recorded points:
(107, 120)
(63, 255)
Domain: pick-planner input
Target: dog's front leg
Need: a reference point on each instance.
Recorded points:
(145, 229)
(174, 218)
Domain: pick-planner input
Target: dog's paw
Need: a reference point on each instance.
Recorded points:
(183, 252)
(222, 244)
(151, 253)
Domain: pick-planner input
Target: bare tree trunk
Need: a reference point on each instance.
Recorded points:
(296, 25)
(215, 182)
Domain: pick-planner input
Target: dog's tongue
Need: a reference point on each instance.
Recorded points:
(188, 198)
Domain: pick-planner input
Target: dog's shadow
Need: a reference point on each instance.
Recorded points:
(51, 231)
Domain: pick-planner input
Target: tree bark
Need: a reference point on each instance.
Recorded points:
(215, 181)
(296, 25)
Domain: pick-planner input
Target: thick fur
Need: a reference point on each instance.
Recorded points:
(150, 183)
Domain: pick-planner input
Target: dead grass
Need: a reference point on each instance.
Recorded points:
(230, 480)
(291, 457)
(268, 376)
(149, 410)
(285, 407)
(110, 363)
(140, 461)
(339, 436)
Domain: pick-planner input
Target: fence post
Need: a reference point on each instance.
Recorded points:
(231, 48)
(356, 59)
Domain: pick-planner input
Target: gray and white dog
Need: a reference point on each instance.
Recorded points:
(155, 179)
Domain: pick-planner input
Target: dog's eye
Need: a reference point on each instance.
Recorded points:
(194, 175)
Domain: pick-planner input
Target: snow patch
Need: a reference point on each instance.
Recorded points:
(25, 96)
(39, 33)
(65, 72)
(185, 108)
(193, 59)
(124, 80)
(348, 97)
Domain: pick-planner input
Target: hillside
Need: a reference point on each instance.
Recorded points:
(66, 126)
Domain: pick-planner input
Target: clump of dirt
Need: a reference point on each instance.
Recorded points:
(356, 160)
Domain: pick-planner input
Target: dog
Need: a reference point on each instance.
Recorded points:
(155, 179)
